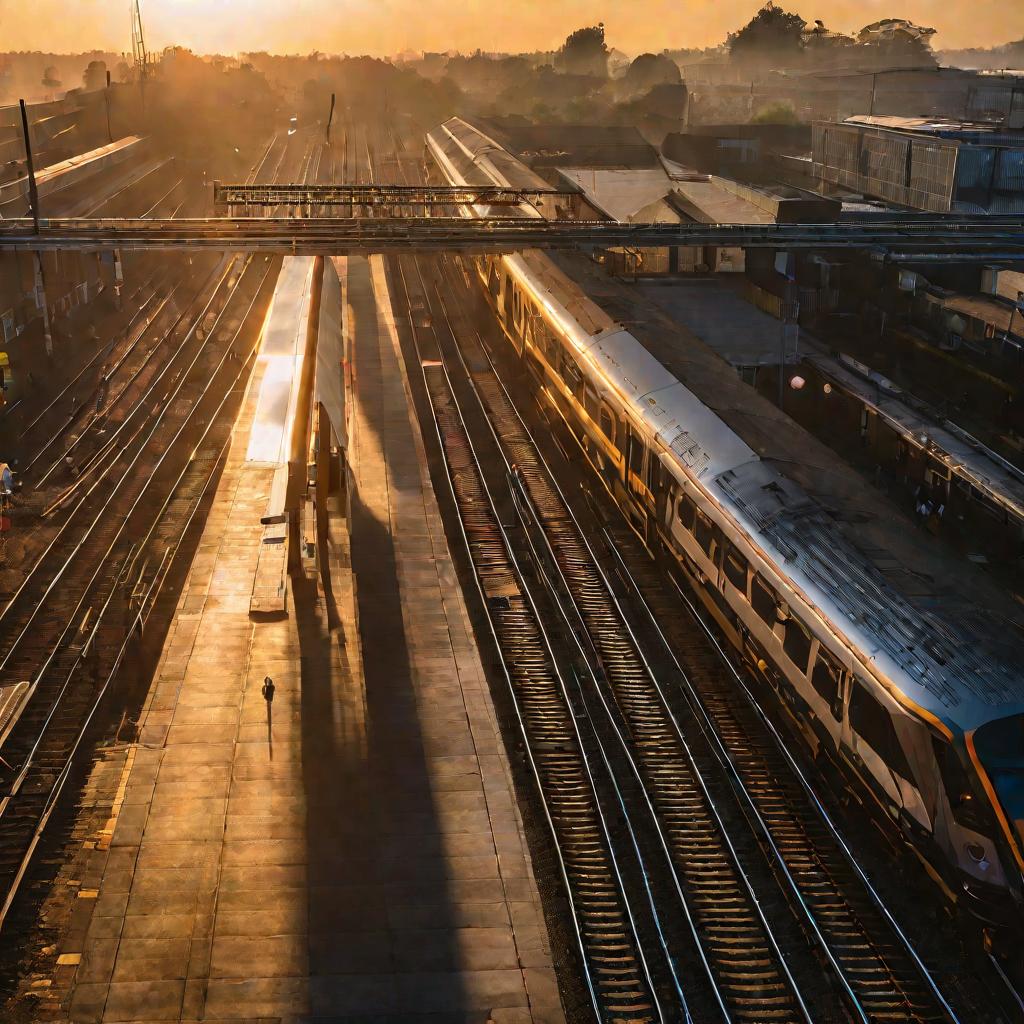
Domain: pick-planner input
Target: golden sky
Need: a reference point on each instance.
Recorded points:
(387, 26)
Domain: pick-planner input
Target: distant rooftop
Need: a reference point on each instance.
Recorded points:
(574, 145)
(617, 192)
(940, 127)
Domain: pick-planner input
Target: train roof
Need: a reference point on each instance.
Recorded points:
(478, 159)
(953, 636)
(947, 626)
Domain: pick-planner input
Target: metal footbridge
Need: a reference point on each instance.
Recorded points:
(420, 218)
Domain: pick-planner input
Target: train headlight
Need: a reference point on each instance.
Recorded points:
(977, 853)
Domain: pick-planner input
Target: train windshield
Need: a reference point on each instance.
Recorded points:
(1000, 746)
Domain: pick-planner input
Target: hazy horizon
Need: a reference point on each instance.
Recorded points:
(383, 27)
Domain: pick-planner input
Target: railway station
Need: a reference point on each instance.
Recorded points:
(513, 538)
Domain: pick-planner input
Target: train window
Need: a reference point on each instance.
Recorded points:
(705, 533)
(571, 375)
(653, 465)
(762, 597)
(723, 606)
(540, 335)
(827, 681)
(494, 281)
(590, 401)
(636, 454)
(735, 566)
(797, 643)
(686, 512)
(508, 300)
(967, 809)
(607, 424)
(873, 724)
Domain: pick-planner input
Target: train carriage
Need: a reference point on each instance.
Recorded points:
(927, 711)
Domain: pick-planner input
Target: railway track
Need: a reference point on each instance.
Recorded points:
(748, 974)
(83, 494)
(870, 958)
(582, 811)
(736, 945)
(108, 583)
(95, 402)
(146, 457)
(618, 978)
(878, 961)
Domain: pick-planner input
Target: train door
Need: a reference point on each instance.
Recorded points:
(507, 291)
(634, 459)
(635, 451)
(828, 683)
(491, 273)
(876, 748)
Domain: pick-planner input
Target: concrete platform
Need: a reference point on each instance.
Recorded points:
(354, 853)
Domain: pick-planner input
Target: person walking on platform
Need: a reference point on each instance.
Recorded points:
(268, 690)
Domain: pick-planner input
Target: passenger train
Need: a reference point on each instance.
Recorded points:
(927, 714)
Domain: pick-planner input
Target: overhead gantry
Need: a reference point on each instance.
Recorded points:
(923, 237)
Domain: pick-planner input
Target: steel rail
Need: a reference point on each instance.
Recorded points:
(709, 727)
(726, 760)
(147, 173)
(119, 362)
(602, 975)
(153, 385)
(58, 788)
(147, 213)
(96, 521)
(463, 472)
(653, 678)
(555, 770)
(552, 589)
(258, 166)
(728, 764)
(649, 775)
(814, 801)
(101, 351)
(66, 525)
(372, 195)
(148, 601)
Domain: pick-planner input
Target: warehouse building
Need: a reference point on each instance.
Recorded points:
(928, 164)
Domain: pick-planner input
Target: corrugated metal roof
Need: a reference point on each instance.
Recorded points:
(711, 203)
(619, 193)
(988, 132)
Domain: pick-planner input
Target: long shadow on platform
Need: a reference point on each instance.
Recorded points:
(382, 918)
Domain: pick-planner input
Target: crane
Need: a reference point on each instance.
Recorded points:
(139, 55)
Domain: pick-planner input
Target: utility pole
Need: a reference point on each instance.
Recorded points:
(106, 100)
(330, 119)
(33, 192)
(33, 198)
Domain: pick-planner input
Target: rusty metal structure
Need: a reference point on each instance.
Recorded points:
(966, 239)
(240, 199)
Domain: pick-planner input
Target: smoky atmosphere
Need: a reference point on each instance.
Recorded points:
(512, 513)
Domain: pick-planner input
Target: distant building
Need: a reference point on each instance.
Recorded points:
(930, 164)
(674, 195)
(737, 150)
(541, 146)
